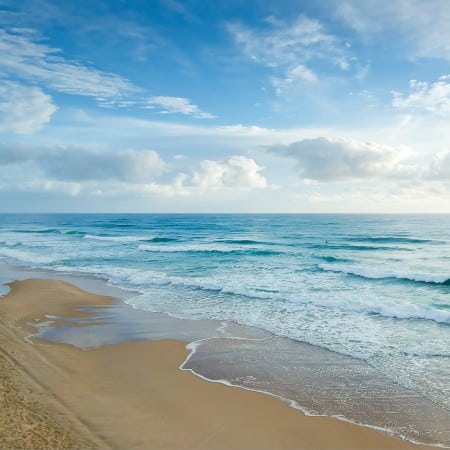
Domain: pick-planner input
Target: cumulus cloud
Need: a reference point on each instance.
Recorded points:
(77, 170)
(177, 105)
(425, 97)
(329, 160)
(238, 172)
(244, 173)
(23, 109)
(26, 57)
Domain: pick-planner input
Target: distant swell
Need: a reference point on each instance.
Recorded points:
(390, 240)
(244, 242)
(332, 258)
(38, 231)
(48, 231)
(160, 239)
(206, 249)
(331, 246)
(117, 238)
(378, 274)
(74, 233)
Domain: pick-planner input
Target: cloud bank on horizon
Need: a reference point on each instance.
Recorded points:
(167, 106)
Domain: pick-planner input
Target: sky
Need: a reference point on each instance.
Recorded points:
(225, 106)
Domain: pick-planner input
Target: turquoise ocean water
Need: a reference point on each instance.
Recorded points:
(372, 287)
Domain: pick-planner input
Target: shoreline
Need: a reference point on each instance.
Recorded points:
(101, 410)
(103, 286)
(295, 405)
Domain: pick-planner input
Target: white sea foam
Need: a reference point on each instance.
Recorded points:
(28, 257)
(378, 273)
(144, 279)
(10, 243)
(406, 310)
(4, 290)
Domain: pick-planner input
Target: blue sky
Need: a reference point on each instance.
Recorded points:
(225, 106)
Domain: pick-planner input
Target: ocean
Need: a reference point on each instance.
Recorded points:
(372, 290)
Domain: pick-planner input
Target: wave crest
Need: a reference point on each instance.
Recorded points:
(379, 274)
(199, 248)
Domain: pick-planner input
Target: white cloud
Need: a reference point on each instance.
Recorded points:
(301, 72)
(238, 172)
(77, 164)
(26, 57)
(209, 175)
(298, 75)
(330, 160)
(421, 26)
(352, 15)
(77, 170)
(288, 48)
(24, 109)
(282, 44)
(243, 172)
(425, 97)
(17, 152)
(177, 105)
(439, 169)
(131, 166)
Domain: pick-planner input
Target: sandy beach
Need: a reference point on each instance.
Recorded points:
(133, 394)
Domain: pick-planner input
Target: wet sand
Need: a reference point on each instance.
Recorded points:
(133, 395)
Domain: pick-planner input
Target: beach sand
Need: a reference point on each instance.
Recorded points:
(133, 395)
